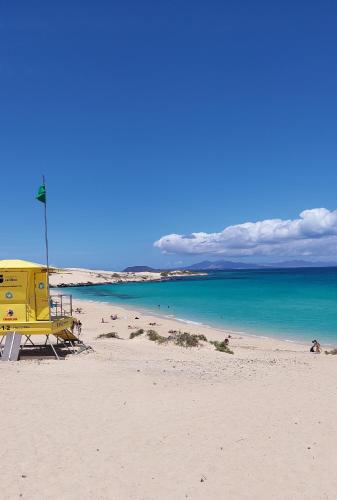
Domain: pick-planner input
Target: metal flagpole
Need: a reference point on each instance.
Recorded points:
(46, 240)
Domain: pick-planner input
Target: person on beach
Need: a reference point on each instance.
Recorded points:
(316, 347)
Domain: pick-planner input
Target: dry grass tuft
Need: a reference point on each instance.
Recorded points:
(186, 340)
(333, 352)
(111, 335)
(155, 337)
(202, 337)
(137, 333)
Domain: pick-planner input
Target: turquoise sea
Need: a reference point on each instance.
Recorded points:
(294, 304)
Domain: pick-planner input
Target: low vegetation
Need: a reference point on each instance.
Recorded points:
(115, 275)
(185, 339)
(333, 351)
(189, 339)
(155, 337)
(136, 333)
(221, 346)
(111, 335)
(202, 337)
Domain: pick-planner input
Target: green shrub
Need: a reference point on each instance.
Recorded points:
(186, 340)
(155, 337)
(221, 346)
(111, 335)
(136, 333)
(202, 337)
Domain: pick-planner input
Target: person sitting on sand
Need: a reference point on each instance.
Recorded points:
(316, 346)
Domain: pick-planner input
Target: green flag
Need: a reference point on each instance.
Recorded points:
(41, 194)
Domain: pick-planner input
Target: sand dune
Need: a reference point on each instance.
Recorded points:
(78, 276)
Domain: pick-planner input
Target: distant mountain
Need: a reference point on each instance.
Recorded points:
(206, 265)
(139, 269)
(218, 265)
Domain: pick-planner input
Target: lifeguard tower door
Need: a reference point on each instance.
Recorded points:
(13, 296)
(41, 297)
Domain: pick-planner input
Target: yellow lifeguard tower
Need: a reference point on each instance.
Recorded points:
(26, 307)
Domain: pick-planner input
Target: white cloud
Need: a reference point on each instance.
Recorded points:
(313, 234)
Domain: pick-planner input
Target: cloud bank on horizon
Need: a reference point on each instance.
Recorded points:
(313, 234)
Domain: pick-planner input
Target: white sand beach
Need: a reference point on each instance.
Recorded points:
(134, 420)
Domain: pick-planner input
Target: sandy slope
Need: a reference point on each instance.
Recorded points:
(78, 276)
(134, 420)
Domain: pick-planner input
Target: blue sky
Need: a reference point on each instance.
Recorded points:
(158, 118)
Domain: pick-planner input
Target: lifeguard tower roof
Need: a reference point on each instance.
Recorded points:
(23, 264)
